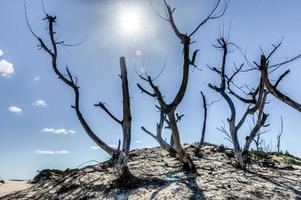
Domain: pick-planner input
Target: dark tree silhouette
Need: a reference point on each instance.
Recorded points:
(256, 101)
(266, 69)
(170, 108)
(279, 136)
(204, 122)
(125, 123)
(119, 157)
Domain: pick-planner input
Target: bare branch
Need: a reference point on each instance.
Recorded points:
(212, 15)
(158, 136)
(145, 91)
(104, 108)
(171, 21)
(264, 65)
(281, 77)
(72, 84)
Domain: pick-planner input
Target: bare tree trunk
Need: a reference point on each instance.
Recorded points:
(183, 156)
(121, 164)
(279, 136)
(188, 60)
(260, 122)
(204, 122)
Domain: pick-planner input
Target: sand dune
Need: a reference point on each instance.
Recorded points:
(160, 176)
(12, 186)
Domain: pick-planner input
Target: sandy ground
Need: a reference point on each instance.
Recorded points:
(12, 186)
(161, 177)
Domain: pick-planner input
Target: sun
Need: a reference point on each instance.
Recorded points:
(130, 21)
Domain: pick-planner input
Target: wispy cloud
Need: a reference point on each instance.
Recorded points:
(97, 147)
(40, 103)
(15, 109)
(60, 131)
(94, 147)
(138, 141)
(49, 152)
(62, 152)
(37, 78)
(1, 52)
(6, 68)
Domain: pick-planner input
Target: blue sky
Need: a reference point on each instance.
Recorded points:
(39, 129)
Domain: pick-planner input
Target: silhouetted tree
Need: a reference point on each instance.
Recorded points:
(170, 108)
(266, 69)
(204, 121)
(279, 136)
(258, 141)
(119, 157)
(256, 101)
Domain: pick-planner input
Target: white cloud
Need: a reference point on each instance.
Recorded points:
(44, 152)
(95, 147)
(37, 78)
(62, 152)
(1, 52)
(138, 141)
(6, 68)
(49, 152)
(60, 131)
(40, 103)
(15, 109)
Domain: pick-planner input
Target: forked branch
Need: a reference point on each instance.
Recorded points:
(71, 81)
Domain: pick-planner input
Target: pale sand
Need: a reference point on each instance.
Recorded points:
(12, 186)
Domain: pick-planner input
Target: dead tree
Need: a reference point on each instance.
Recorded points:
(120, 157)
(170, 108)
(258, 141)
(125, 123)
(279, 136)
(204, 121)
(266, 69)
(256, 101)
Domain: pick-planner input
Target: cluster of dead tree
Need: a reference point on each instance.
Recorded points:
(255, 99)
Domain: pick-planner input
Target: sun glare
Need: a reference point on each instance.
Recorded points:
(130, 21)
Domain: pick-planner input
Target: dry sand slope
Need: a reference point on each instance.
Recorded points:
(12, 186)
(160, 176)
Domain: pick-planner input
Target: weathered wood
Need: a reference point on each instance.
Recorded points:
(121, 164)
(170, 108)
(204, 121)
(264, 65)
(255, 103)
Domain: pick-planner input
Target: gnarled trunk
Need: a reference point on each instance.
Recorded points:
(121, 163)
(183, 156)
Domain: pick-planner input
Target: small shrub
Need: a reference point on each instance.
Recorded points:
(220, 148)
